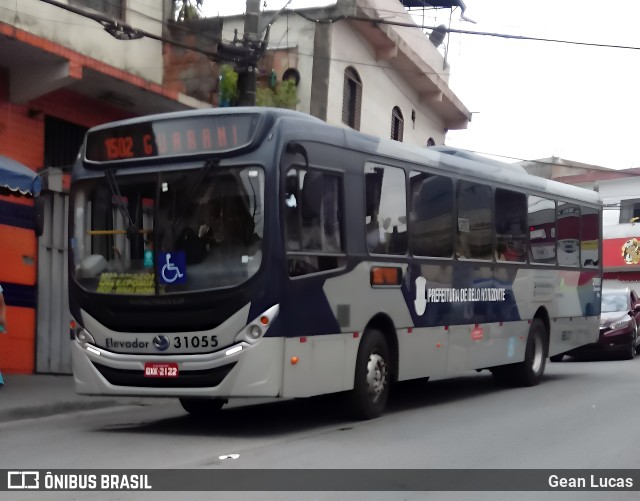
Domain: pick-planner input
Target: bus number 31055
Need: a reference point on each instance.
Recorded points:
(195, 342)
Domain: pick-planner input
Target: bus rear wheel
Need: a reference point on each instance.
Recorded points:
(202, 407)
(372, 378)
(528, 372)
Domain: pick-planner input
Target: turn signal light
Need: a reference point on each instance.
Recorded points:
(384, 275)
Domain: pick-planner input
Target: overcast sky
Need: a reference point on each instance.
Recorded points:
(534, 99)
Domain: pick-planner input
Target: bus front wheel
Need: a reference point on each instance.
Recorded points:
(202, 407)
(373, 376)
(528, 372)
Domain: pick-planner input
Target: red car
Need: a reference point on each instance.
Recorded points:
(619, 321)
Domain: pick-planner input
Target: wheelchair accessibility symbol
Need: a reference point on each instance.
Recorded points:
(172, 268)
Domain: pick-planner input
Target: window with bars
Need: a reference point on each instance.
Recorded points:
(352, 98)
(111, 8)
(62, 141)
(397, 124)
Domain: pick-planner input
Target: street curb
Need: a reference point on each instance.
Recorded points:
(31, 411)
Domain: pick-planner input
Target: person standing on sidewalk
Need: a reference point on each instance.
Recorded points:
(3, 323)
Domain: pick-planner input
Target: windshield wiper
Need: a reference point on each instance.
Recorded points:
(132, 228)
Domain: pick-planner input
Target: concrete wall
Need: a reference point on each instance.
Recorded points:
(392, 10)
(140, 57)
(382, 89)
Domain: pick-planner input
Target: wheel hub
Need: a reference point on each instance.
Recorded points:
(376, 376)
(536, 363)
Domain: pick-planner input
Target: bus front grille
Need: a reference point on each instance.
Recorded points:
(186, 379)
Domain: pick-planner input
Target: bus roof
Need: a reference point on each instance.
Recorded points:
(260, 110)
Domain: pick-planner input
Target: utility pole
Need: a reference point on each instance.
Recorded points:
(247, 68)
(244, 53)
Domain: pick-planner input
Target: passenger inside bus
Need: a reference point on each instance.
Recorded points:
(224, 220)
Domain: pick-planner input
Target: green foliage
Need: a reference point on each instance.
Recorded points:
(264, 96)
(228, 86)
(183, 10)
(284, 95)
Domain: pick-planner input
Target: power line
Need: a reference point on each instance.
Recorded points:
(123, 31)
(455, 30)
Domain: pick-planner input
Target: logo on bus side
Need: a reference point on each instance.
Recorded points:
(426, 295)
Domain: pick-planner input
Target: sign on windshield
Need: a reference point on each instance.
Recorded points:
(171, 137)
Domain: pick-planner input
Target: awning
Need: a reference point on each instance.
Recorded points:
(18, 178)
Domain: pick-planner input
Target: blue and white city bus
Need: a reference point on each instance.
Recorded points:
(255, 252)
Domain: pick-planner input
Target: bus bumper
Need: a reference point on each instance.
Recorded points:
(253, 371)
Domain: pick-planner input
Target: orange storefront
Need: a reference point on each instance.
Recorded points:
(18, 274)
(22, 138)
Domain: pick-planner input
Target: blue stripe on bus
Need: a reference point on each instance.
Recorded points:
(19, 295)
(20, 216)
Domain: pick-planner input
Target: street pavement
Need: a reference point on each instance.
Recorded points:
(37, 395)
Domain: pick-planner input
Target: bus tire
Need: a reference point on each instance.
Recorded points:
(202, 407)
(372, 378)
(529, 372)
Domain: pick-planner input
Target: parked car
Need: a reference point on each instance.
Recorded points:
(619, 324)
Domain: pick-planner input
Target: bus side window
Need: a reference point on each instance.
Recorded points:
(312, 198)
(542, 229)
(475, 221)
(431, 215)
(292, 210)
(312, 221)
(568, 240)
(511, 222)
(589, 237)
(386, 206)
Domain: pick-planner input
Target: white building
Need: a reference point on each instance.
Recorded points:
(381, 79)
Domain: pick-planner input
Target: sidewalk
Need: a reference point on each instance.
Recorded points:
(36, 395)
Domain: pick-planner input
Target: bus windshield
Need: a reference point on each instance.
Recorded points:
(168, 232)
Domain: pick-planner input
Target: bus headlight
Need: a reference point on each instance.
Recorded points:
(258, 327)
(84, 337)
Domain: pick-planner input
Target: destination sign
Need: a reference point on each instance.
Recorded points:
(171, 137)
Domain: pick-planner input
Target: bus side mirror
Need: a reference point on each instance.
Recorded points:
(38, 215)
